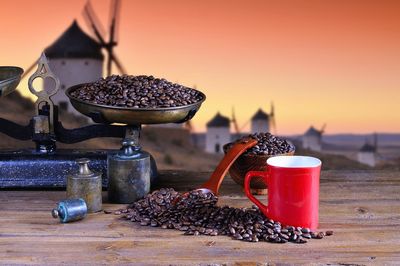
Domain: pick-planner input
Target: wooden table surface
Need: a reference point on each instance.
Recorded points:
(363, 209)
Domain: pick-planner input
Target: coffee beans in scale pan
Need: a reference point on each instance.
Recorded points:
(255, 159)
(137, 92)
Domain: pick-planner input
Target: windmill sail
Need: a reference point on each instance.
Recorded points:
(272, 117)
(93, 22)
(115, 11)
(234, 121)
(98, 30)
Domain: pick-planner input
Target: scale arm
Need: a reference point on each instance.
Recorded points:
(15, 130)
(70, 136)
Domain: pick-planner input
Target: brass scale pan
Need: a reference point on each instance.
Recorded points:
(9, 79)
(11, 76)
(134, 116)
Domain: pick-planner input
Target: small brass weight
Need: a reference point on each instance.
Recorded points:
(86, 185)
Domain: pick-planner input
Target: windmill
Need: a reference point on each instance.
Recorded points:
(267, 119)
(98, 31)
(76, 57)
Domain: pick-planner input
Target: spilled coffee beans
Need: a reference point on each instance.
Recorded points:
(197, 214)
(137, 92)
(268, 144)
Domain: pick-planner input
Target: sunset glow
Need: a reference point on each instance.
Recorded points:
(333, 62)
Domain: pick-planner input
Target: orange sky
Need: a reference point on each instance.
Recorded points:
(333, 61)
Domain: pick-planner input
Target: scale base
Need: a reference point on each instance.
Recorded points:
(29, 169)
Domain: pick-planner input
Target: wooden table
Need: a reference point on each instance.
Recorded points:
(363, 209)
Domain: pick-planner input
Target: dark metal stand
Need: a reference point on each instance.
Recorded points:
(29, 169)
(46, 166)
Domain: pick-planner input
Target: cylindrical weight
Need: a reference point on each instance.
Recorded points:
(128, 174)
(87, 185)
(70, 210)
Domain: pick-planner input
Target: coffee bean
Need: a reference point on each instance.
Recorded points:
(329, 233)
(208, 231)
(238, 236)
(301, 241)
(284, 240)
(283, 236)
(254, 238)
(290, 228)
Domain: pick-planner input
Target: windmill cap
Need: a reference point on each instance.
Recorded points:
(368, 148)
(260, 115)
(312, 131)
(74, 43)
(219, 121)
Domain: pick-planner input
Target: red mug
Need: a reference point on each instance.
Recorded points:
(293, 190)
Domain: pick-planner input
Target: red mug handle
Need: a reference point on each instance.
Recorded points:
(247, 179)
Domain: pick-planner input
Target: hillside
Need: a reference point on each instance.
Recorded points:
(172, 148)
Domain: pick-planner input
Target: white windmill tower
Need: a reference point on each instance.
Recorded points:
(263, 122)
(368, 152)
(218, 133)
(312, 138)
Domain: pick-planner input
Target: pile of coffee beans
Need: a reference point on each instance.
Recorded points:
(197, 214)
(268, 144)
(137, 92)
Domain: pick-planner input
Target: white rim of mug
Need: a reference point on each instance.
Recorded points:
(315, 161)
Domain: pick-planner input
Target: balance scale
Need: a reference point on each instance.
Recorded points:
(46, 166)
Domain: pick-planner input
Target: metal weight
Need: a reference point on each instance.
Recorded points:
(87, 185)
(128, 173)
(70, 210)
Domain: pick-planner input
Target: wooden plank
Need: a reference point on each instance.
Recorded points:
(363, 209)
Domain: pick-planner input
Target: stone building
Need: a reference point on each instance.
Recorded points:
(260, 122)
(312, 139)
(74, 58)
(218, 133)
(368, 153)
